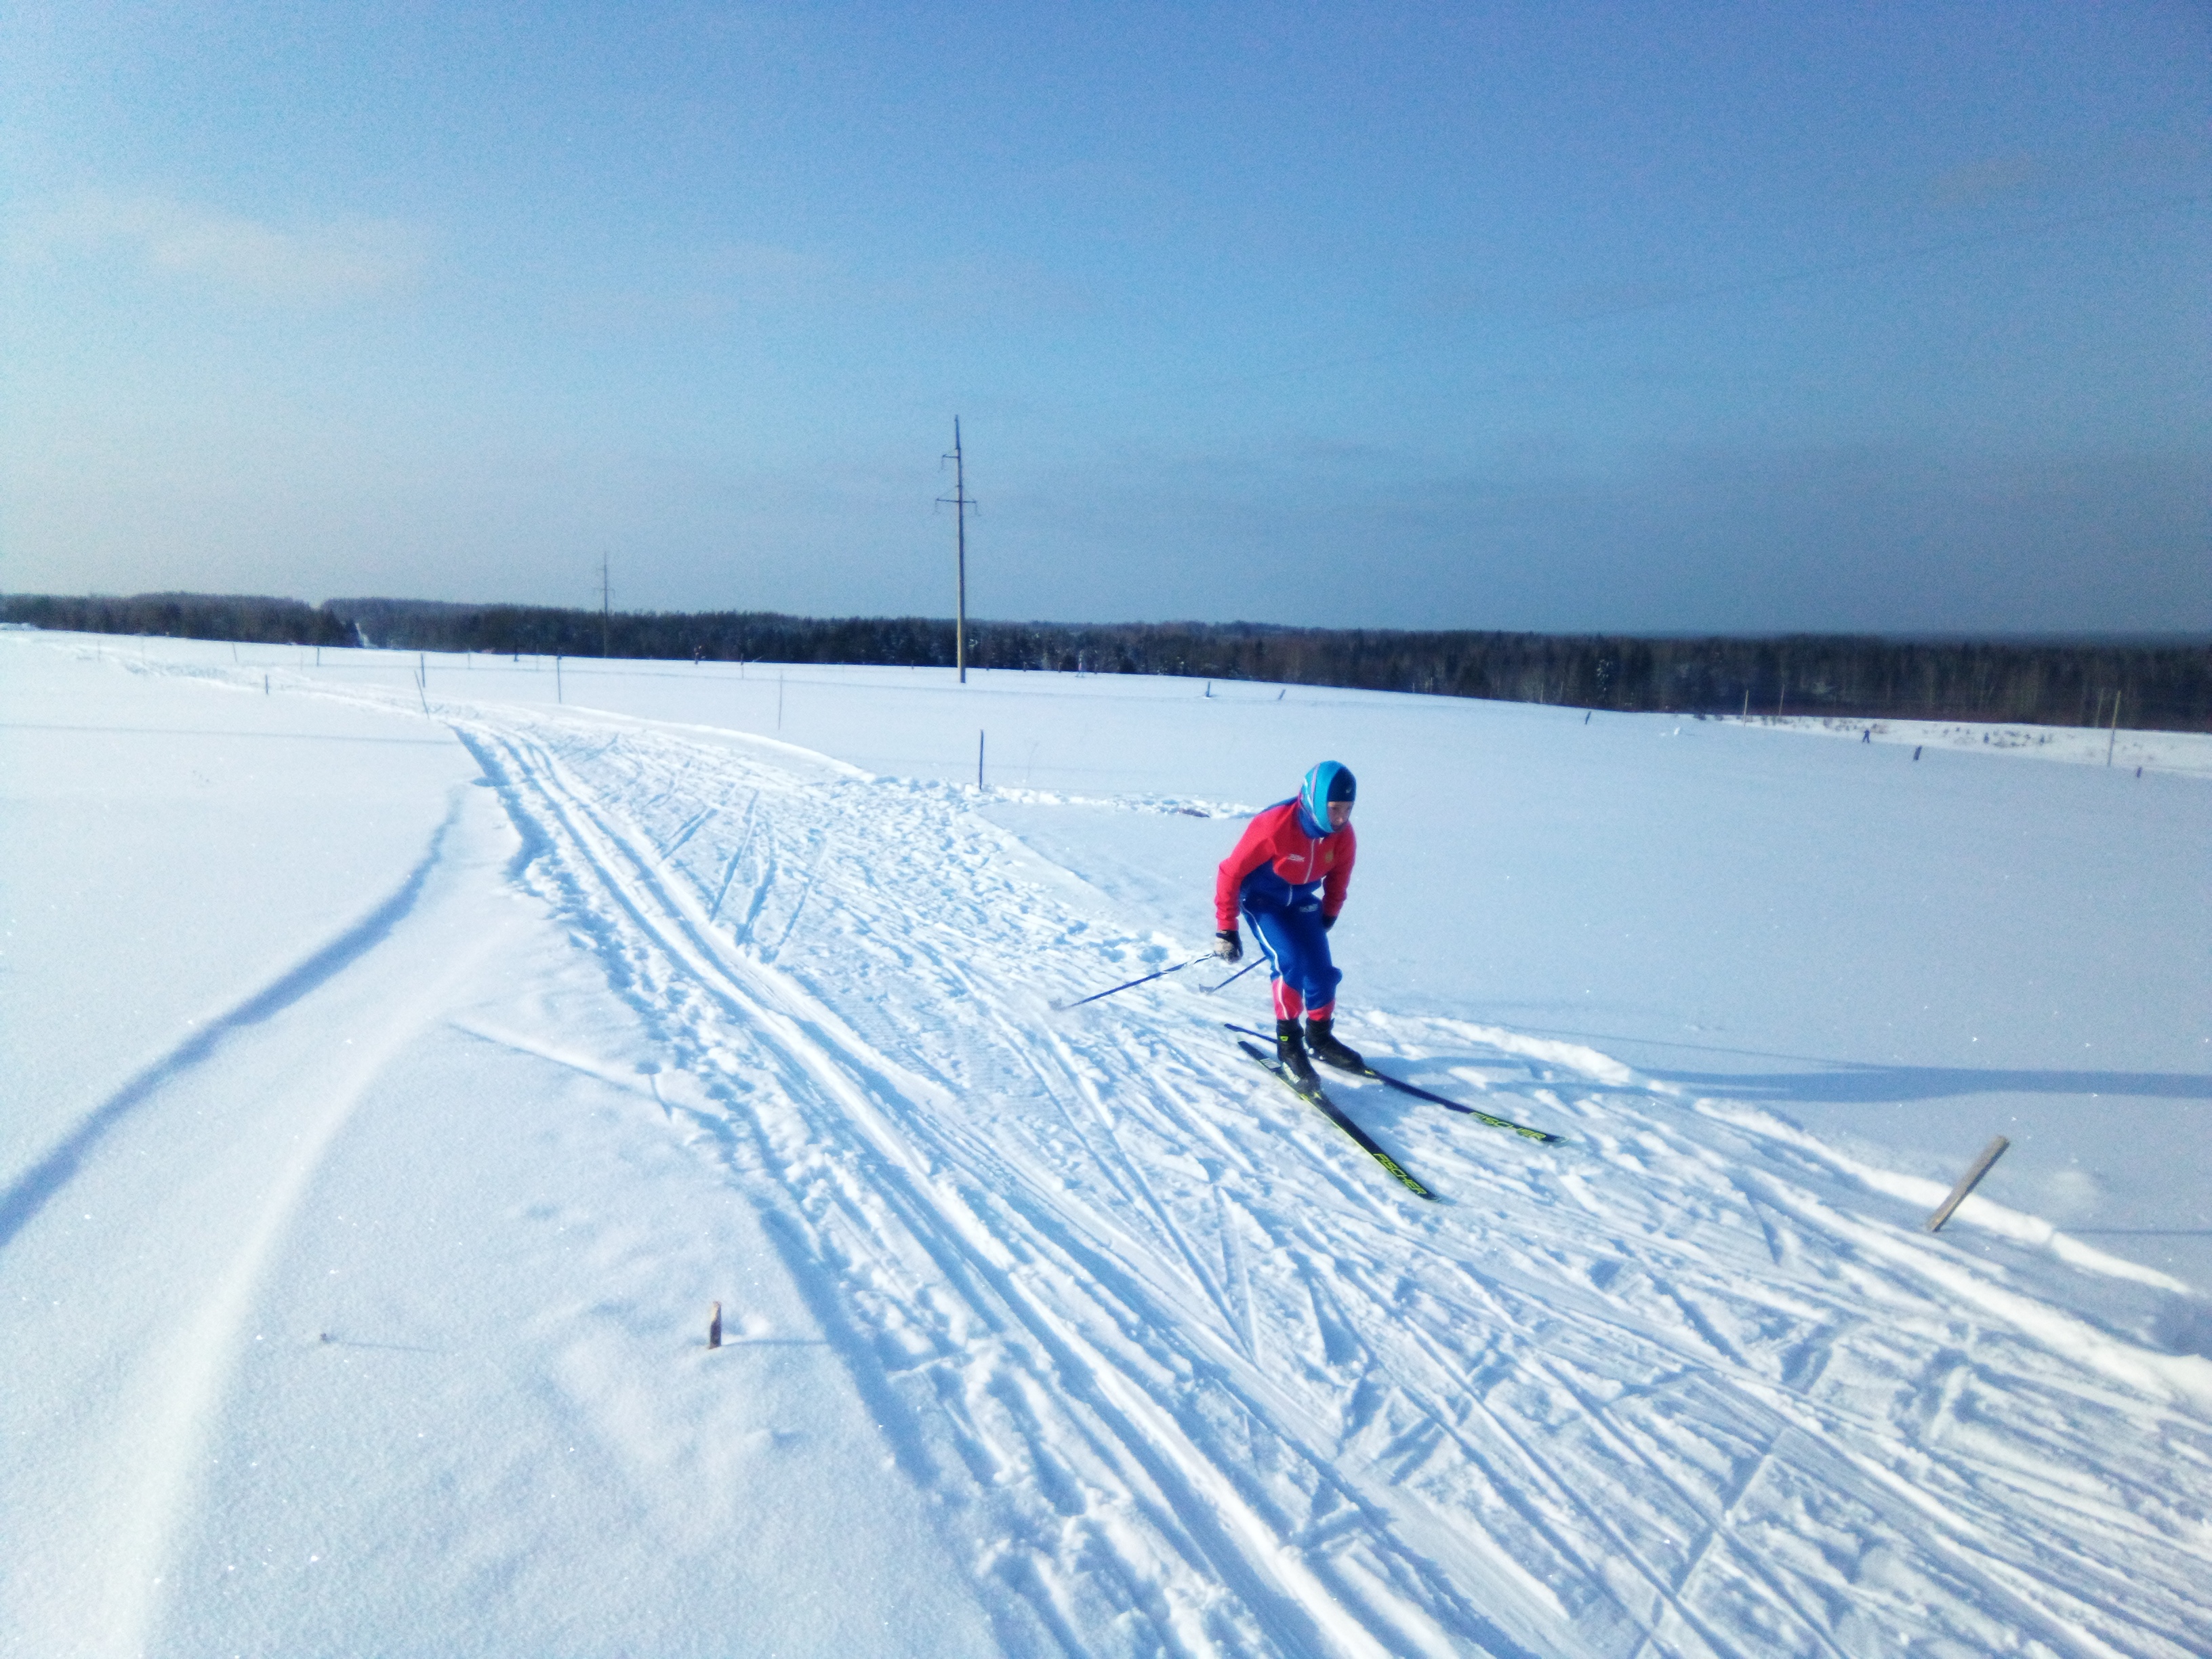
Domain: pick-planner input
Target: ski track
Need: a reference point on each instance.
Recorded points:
(1645, 1393)
(1200, 1378)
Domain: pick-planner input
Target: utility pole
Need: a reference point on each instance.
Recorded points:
(606, 606)
(959, 502)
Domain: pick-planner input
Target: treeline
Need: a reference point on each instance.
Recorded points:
(248, 618)
(712, 636)
(2158, 686)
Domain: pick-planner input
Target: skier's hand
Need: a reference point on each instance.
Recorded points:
(1228, 947)
(1328, 922)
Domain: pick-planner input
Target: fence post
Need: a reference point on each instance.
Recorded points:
(1968, 1181)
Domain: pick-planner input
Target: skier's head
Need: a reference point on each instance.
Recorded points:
(1325, 798)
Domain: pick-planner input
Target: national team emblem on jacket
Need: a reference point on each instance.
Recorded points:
(1277, 865)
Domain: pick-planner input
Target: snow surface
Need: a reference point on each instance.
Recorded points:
(398, 1067)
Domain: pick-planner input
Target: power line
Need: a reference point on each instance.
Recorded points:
(1420, 339)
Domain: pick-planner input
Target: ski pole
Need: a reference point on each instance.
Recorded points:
(1256, 960)
(1147, 980)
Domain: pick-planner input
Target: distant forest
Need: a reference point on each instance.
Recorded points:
(245, 618)
(2160, 686)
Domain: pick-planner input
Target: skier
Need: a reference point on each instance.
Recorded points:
(1287, 878)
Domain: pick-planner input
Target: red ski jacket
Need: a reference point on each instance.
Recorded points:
(1278, 862)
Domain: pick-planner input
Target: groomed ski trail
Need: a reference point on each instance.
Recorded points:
(1028, 1337)
(1208, 1382)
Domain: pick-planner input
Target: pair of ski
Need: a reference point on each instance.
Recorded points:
(1312, 1093)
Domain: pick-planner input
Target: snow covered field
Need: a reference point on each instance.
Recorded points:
(397, 1069)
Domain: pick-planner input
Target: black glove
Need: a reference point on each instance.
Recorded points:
(1328, 922)
(1228, 947)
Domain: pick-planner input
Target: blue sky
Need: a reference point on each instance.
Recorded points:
(1640, 317)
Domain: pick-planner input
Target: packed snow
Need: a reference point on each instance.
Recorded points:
(404, 1054)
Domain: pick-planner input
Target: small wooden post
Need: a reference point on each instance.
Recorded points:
(1968, 1181)
(979, 760)
(715, 1328)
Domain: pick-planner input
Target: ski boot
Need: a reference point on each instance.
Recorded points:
(1322, 1044)
(1290, 1052)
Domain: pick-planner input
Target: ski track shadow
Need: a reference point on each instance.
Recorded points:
(1852, 1085)
(1820, 1080)
(534, 843)
(32, 1190)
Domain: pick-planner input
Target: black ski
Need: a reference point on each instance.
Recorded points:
(1312, 1095)
(1400, 1083)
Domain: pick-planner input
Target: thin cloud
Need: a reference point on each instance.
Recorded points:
(2120, 163)
(738, 281)
(1988, 180)
(763, 274)
(317, 263)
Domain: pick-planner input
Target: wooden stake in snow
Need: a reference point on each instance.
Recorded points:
(715, 1328)
(979, 760)
(1968, 1181)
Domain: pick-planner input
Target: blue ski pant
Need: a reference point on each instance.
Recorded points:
(1302, 977)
